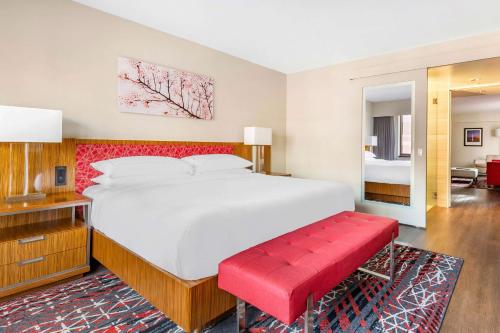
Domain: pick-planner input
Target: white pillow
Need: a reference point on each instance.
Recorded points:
(369, 155)
(225, 172)
(214, 162)
(143, 165)
(136, 180)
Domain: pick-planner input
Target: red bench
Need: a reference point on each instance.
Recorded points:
(284, 276)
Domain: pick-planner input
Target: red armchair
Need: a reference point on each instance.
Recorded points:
(493, 173)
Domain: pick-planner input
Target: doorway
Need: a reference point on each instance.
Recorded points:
(463, 132)
(475, 143)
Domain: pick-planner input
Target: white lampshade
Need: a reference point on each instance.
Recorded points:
(258, 136)
(497, 132)
(371, 141)
(18, 124)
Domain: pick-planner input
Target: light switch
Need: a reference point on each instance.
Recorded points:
(420, 152)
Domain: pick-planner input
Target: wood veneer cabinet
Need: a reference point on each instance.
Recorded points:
(53, 247)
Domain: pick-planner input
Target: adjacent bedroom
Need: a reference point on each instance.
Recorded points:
(475, 145)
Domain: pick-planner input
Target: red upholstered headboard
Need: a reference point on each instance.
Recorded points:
(87, 153)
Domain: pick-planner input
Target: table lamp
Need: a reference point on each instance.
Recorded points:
(258, 137)
(22, 127)
(371, 141)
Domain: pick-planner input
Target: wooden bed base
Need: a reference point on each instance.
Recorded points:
(392, 193)
(190, 304)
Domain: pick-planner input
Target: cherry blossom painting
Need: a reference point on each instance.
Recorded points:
(153, 89)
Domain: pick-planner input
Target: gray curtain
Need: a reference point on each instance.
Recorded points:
(383, 129)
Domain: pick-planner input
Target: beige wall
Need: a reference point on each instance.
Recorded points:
(391, 108)
(324, 108)
(464, 156)
(62, 55)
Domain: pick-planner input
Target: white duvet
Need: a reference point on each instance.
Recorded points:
(189, 225)
(389, 172)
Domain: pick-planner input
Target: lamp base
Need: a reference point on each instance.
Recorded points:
(259, 159)
(27, 197)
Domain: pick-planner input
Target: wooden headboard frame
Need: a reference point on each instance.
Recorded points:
(89, 152)
(64, 154)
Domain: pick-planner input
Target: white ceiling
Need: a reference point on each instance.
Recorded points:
(295, 35)
(387, 93)
(476, 104)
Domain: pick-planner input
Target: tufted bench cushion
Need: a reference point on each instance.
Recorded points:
(277, 276)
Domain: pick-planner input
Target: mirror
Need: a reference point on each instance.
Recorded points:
(388, 143)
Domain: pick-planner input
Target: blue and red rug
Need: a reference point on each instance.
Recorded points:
(101, 303)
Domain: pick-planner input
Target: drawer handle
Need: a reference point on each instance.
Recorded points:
(31, 239)
(30, 261)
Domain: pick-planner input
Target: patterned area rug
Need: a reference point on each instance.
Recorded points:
(101, 303)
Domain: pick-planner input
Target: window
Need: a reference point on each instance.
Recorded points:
(405, 135)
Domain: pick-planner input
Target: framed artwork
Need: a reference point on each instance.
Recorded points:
(157, 90)
(473, 137)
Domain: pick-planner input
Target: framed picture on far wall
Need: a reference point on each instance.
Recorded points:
(473, 137)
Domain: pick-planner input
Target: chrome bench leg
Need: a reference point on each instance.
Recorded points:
(308, 315)
(389, 277)
(241, 316)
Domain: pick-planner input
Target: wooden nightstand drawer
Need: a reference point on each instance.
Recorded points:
(23, 243)
(42, 241)
(41, 266)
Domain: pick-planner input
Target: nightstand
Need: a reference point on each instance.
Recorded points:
(43, 241)
(280, 174)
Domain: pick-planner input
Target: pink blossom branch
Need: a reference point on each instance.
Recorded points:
(141, 82)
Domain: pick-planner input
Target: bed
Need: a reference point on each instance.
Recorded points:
(388, 181)
(166, 239)
(187, 226)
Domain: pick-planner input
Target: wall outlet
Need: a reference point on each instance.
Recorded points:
(61, 175)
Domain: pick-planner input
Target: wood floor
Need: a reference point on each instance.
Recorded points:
(470, 230)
